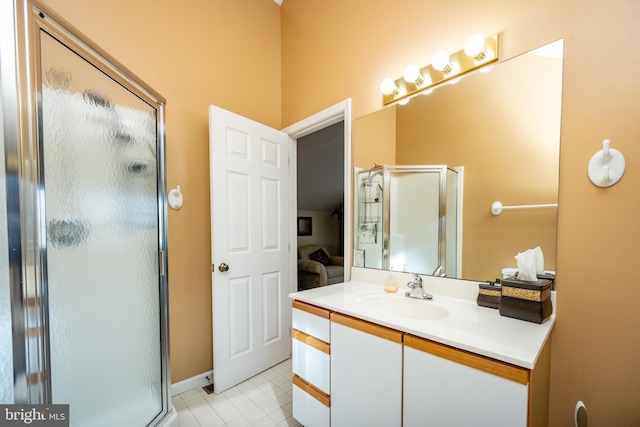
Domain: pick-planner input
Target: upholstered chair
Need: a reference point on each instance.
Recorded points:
(316, 267)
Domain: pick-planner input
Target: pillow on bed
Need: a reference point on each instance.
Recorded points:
(320, 256)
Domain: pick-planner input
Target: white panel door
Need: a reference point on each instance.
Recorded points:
(249, 227)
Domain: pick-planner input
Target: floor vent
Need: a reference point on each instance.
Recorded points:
(208, 388)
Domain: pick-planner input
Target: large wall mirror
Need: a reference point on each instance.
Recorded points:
(503, 129)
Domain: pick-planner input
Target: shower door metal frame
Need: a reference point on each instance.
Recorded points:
(441, 170)
(359, 207)
(25, 189)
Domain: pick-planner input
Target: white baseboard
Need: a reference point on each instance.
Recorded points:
(190, 383)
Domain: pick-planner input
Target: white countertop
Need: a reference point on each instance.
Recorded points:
(480, 330)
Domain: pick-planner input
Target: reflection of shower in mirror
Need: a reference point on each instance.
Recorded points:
(408, 216)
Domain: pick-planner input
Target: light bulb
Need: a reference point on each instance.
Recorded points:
(474, 47)
(454, 81)
(404, 101)
(486, 69)
(412, 74)
(427, 92)
(388, 86)
(440, 60)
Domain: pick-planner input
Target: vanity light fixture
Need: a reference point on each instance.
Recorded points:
(388, 87)
(412, 75)
(404, 100)
(441, 61)
(474, 47)
(479, 52)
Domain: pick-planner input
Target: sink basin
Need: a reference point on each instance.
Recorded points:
(407, 308)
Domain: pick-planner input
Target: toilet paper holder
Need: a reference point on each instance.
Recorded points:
(606, 166)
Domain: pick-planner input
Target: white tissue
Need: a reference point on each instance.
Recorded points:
(530, 264)
(539, 260)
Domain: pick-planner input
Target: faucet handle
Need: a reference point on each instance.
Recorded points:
(414, 283)
(417, 279)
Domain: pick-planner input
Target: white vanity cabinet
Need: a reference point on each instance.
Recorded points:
(351, 372)
(366, 374)
(444, 386)
(310, 363)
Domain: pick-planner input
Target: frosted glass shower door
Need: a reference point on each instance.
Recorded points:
(6, 340)
(100, 175)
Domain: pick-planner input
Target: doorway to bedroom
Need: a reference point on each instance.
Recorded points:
(320, 207)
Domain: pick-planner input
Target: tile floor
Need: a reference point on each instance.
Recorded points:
(264, 400)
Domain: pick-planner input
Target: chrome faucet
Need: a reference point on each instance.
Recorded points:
(416, 290)
(439, 271)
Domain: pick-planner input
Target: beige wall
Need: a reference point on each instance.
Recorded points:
(228, 53)
(334, 49)
(374, 139)
(193, 53)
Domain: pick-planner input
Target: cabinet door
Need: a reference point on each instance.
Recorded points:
(311, 360)
(311, 407)
(310, 350)
(366, 374)
(439, 391)
(311, 320)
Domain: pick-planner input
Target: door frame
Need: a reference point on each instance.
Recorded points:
(327, 117)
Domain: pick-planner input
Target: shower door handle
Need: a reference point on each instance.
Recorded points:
(223, 267)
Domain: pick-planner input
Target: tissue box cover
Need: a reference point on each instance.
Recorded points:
(489, 295)
(530, 301)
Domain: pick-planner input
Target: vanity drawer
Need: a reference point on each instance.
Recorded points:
(311, 359)
(311, 320)
(311, 407)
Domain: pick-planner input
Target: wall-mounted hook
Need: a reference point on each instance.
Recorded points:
(606, 166)
(175, 198)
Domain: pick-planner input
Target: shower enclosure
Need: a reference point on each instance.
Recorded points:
(407, 219)
(83, 271)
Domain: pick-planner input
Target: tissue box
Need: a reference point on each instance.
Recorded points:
(530, 301)
(489, 295)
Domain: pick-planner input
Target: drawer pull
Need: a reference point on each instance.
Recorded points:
(311, 341)
(491, 366)
(322, 312)
(367, 327)
(312, 391)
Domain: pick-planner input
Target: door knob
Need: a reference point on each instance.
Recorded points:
(223, 267)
